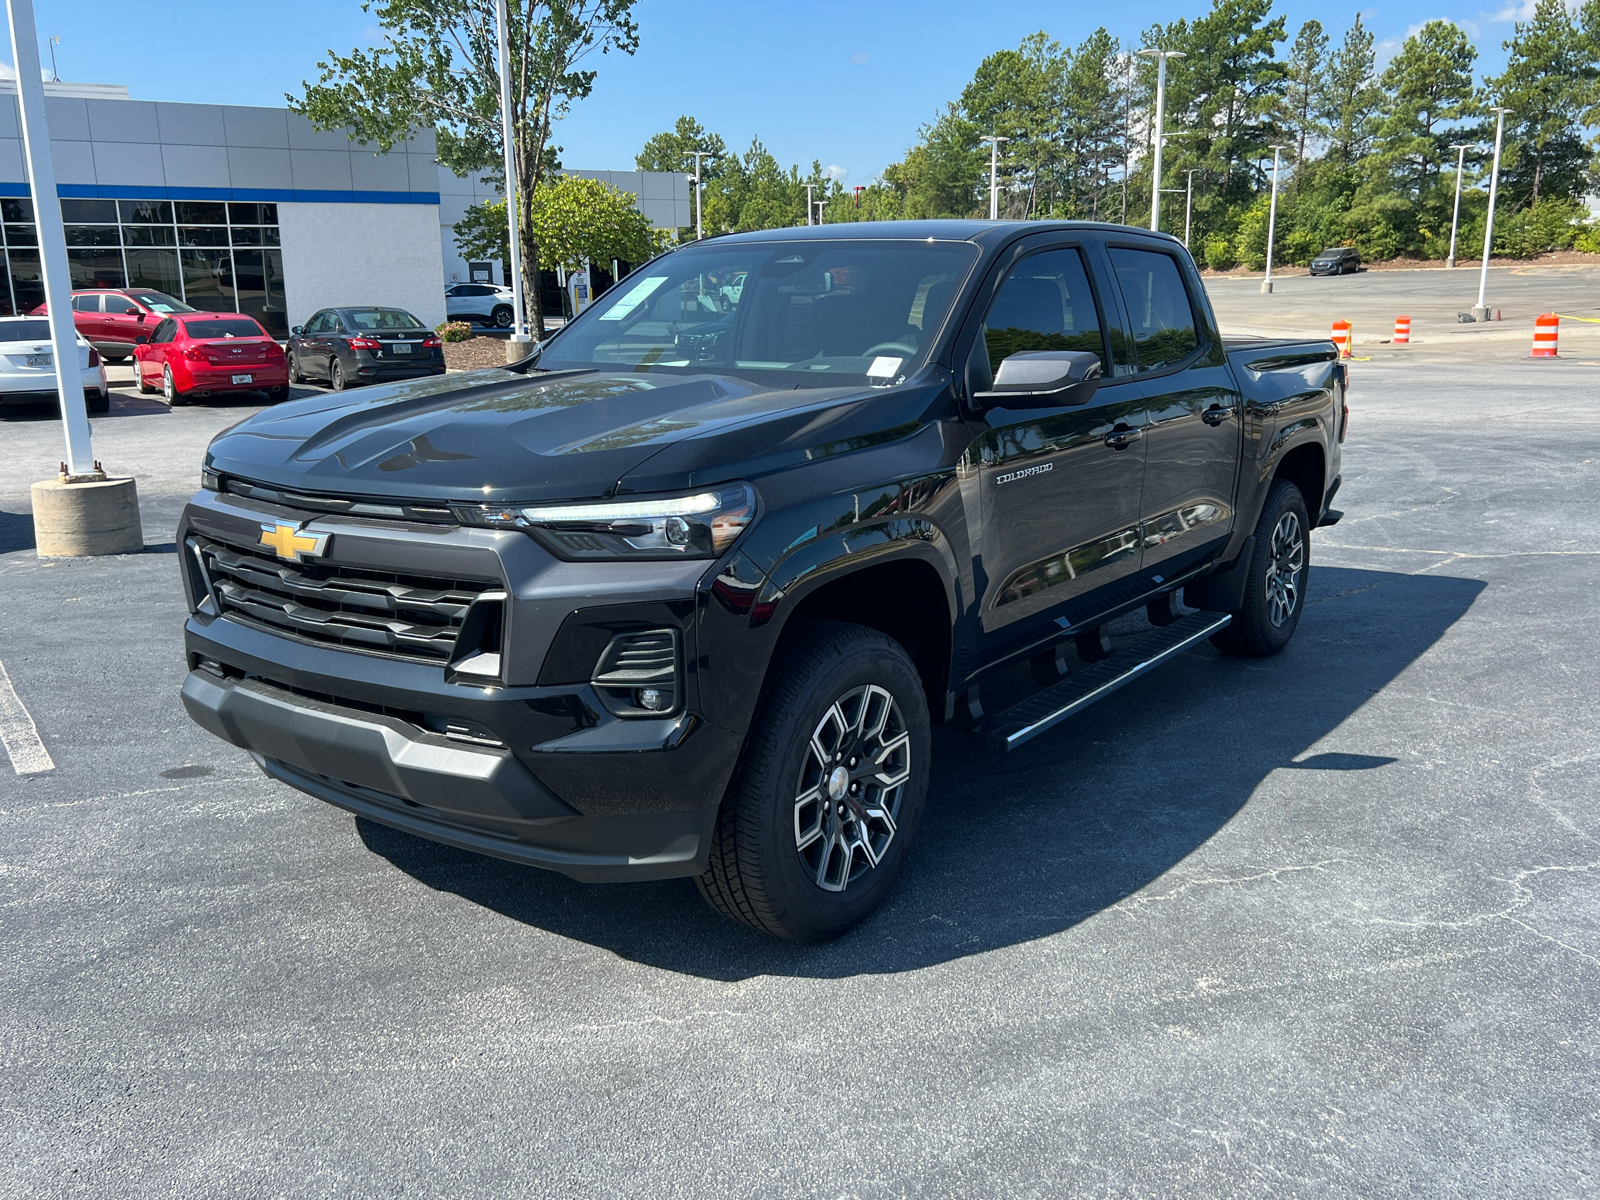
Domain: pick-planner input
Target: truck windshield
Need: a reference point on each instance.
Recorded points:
(802, 313)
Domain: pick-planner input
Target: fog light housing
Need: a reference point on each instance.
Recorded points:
(640, 673)
(653, 699)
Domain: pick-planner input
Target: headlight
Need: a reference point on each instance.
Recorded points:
(698, 524)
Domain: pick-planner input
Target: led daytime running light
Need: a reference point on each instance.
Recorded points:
(624, 510)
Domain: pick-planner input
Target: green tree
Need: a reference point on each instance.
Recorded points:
(437, 64)
(1428, 95)
(1350, 96)
(1548, 76)
(1306, 81)
(670, 150)
(1016, 95)
(572, 220)
(940, 175)
(1090, 124)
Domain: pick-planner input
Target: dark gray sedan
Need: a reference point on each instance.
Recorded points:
(344, 347)
(1336, 260)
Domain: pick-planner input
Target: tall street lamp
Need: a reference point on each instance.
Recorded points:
(1188, 207)
(1161, 57)
(699, 190)
(1455, 217)
(517, 348)
(1272, 221)
(994, 141)
(1481, 309)
(809, 202)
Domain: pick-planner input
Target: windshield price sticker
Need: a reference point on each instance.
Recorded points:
(884, 367)
(636, 295)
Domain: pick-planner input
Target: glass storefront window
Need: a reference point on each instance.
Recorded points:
(182, 248)
(197, 212)
(155, 269)
(145, 212)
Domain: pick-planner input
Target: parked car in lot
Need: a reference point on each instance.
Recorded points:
(28, 366)
(485, 303)
(346, 346)
(1336, 260)
(685, 592)
(114, 319)
(195, 355)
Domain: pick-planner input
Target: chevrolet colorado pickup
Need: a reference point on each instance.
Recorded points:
(685, 592)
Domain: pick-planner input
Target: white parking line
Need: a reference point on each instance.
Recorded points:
(18, 732)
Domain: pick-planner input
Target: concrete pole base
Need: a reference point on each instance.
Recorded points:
(75, 519)
(1266, 287)
(518, 348)
(1449, 264)
(1480, 312)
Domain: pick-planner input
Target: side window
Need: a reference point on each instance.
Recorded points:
(86, 304)
(1158, 307)
(319, 323)
(1044, 304)
(164, 331)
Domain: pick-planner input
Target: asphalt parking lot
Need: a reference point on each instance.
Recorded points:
(1321, 925)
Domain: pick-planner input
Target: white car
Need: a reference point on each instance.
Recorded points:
(482, 302)
(28, 366)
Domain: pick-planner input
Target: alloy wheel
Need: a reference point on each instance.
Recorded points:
(1287, 561)
(168, 388)
(850, 787)
(336, 375)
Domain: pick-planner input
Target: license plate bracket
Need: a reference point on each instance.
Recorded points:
(244, 379)
(41, 360)
(401, 348)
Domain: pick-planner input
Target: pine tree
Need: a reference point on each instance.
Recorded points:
(1351, 96)
(1428, 94)
(1546, 80)
(1303, 101)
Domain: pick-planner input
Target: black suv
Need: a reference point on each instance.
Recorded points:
(1336, 260)
(686, 592)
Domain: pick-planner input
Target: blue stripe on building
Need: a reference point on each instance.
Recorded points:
(89, 191)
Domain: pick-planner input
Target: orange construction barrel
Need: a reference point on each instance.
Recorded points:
(1546, 333)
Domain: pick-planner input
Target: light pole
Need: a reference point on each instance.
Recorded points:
(699, 187)
(809, 202)
(994, 141)
(1455, 217)
(822, 207)
(1481, 310)
(1161, 57)
(517, 347)
(1272, 221)
(1188, 207)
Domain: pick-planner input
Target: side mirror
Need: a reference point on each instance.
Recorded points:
(131, 311)
(141, 340)
(1044, 379)
(298, 330)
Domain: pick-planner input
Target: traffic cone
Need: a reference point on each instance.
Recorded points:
(1402, 331)
(1341, 338)
(1546, 332)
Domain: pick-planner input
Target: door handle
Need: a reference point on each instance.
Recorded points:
(1216, 414)
(1122, 436)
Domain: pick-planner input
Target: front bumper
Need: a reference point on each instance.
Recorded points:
(474, 798)
(553, 779)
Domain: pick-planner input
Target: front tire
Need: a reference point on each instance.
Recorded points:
(503, 317)
(139, 381)
(294, 368)
(830, 788)
(1279, 570)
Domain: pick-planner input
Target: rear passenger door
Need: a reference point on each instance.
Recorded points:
(1193, 414)
(1059, 486)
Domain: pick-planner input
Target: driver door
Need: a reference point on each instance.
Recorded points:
(1060, 487)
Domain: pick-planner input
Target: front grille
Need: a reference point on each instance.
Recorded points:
(409, 616)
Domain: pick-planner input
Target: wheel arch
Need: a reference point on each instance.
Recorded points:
(1306, 466)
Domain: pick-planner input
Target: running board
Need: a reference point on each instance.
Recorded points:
(1021, 722)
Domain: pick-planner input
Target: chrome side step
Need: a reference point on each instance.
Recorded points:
(1021, 722)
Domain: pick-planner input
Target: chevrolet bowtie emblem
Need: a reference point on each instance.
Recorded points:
(291, 543)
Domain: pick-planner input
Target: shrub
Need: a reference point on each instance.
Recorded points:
(1588, 240)
(454, 331)
(1548, 225)
(1218, 252)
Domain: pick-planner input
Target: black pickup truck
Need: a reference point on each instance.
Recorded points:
(685, 592)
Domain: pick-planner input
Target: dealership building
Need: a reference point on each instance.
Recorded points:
(238, 209)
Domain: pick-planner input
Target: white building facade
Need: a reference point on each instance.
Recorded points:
(245, 209)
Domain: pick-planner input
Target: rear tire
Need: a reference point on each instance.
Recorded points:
(169, 390)
(98, 404)
(336, 378)
(829, 790)
(1279, 570)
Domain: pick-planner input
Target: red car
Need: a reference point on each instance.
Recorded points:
(194, 355)
(112, 320)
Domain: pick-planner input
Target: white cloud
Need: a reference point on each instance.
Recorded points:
(7, 71)
(837, 173)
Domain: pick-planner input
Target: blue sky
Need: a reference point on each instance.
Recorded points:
(846, 83)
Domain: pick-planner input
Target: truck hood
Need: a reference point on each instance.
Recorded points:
(496, 437)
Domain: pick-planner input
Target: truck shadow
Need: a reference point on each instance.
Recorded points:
(1016, 848)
